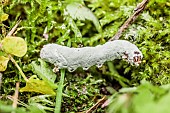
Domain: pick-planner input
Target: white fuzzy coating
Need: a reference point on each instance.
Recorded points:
(85, 57)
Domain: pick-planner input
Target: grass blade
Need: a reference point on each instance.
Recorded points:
(59, 92)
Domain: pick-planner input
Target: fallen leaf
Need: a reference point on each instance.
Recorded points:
(34, 84)
(3, 63)
(14, 45)
(44, 72)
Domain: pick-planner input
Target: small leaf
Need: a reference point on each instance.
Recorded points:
(80, 12)
(40, 101)
(44, 72)
(39, 108)
(74, 27)
(36, 85)
(14, 45)
(3, 17)
(3, 63)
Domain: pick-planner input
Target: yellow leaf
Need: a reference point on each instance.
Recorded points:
(3, 63)
(36, 85)
(3, 17)
(14, 45)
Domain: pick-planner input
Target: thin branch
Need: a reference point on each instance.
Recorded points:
(15, 97)
(140, 7)
(14, 28)
(101, 101)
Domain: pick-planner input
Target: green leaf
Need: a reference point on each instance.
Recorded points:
(44, 72)
(144, 102)
(3, 63)
(14, 45)
(39, 108)
(4, 108)
(74, 27)
(36, 85)
(146, 98)
(40, 101)
(80, 12)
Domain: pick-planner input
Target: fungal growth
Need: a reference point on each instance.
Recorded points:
(85, 57)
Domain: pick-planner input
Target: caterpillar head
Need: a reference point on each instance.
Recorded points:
(135, 57)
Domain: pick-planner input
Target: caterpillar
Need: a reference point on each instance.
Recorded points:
(85, 57)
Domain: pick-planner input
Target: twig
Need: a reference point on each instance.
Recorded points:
(14, 28)
(140, 7)
(101, 101)
(15, 97)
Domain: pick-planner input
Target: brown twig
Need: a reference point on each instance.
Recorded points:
(14, 28)
(101, 101)
(140, 7)
(15, 97)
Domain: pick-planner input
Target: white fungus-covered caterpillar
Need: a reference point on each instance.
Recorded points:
(85, 57)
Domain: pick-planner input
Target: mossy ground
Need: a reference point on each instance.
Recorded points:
(82, 89)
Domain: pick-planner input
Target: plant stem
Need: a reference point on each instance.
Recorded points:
(59, 92)
(20, 70)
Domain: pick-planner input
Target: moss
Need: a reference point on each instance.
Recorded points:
(47, 19)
